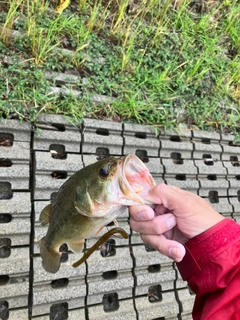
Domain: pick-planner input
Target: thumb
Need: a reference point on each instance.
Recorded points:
(166, 195)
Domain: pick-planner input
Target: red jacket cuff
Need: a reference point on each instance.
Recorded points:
(208, 245)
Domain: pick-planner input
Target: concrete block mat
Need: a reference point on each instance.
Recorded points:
(132, 281)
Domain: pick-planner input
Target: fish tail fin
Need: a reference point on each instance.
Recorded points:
(50, 258)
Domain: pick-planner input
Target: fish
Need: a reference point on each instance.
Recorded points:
(88, 201)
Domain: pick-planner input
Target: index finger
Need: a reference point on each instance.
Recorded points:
(141, 213)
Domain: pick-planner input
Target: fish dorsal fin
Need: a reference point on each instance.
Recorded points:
(46, 214)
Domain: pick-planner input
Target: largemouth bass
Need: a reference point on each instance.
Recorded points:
(88, 201)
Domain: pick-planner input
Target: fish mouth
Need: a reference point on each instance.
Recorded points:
(134, 180)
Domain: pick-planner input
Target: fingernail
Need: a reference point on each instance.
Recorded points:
(171, 222)
(145, 215)
(175, 253)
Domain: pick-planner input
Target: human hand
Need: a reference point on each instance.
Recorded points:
(177, 217)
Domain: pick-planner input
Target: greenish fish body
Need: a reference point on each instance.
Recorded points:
(88, 201)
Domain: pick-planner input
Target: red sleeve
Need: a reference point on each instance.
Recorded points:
(211, 267)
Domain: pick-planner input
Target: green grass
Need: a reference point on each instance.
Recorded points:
(165, 63)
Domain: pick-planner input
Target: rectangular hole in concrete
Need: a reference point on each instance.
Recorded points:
(141, 135)
(213, 196)
(4, 162)
(5, 248)
(59, 126)
(59, 174)
(102, 132)
(175, 138)
(176, 158)
(5, 218)
(110, 302)
(4, 279)
(207, 159)
(102, 153)
(5, 190)
(181, 177)
(155, 293)
(108, 248)
(59, 283)
(109, 275)
(149, 248)
(234, 161)
(4, 311)
(212, 177)
(154, 268)
(6, 139)
(58, 151)
(142, 154)
(206, 141)
(237, 144)
(53, 196)
(59, 311)
(64, 252)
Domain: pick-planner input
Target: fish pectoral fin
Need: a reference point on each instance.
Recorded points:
(50, 257)
(76, 246)
(46, 214)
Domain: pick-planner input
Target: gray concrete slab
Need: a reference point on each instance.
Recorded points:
(209, 165)
(179, 166)
(55, 130)
(210, 183)
(234, 185)
(45, 295)
(15, 291)
(125, 310)
(71, 315)
(102, 137)
(232, 167)
(146, 277)
(17, 229)
(51, 173)
(18, 314)
(205, 136)
(186, 299)
(66, 270)
(167, 307)
(120, 282)
(17, 175)
(176, 144)
(17, 262)
(21, 131)
(120, 261)
(144, 258)
(20, 203)
(154, 166)
(222, 205)
(235, 202)
(180, 283)
(183, 181)
(141, 140)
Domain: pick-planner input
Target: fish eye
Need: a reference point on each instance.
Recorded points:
(104, 171)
